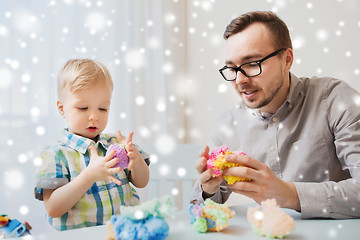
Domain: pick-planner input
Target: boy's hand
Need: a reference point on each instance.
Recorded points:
(132, 152)
(100, 168)
(209, 184)
(120, 138)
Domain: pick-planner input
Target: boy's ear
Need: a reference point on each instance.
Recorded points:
(60, 108)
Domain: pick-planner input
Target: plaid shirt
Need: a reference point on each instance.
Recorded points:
(63, 162)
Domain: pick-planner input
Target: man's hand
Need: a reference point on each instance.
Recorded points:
(209, 184)
(101, 168)
(264, 185)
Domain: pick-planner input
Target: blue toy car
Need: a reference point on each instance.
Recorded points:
(14, 228)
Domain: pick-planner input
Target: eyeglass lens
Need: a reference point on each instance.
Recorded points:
(250, 69)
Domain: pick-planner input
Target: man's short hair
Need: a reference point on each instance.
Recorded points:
(276, 26)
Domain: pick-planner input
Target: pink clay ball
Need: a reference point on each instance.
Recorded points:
(121, 154)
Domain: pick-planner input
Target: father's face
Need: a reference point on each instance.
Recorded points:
(268, 90)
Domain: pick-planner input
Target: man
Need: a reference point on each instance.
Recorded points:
(301, 135)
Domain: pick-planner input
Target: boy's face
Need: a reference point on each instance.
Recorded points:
(86, 111)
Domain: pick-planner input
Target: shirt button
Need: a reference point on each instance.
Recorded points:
(272, 148)
(290, 106)
(274, 119)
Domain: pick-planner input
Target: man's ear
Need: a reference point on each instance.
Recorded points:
(289, 58)
(60, 108)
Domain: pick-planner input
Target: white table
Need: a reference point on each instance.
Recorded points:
(239, 228)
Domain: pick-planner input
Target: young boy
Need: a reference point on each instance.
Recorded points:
(76, 180)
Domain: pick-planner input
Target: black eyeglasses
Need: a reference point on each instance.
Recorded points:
(249, 69)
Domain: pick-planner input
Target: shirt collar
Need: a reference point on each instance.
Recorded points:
(79, 143)
(296, 88)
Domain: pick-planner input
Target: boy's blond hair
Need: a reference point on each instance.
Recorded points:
(77, 74)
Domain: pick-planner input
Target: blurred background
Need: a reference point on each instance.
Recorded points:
(164, 57)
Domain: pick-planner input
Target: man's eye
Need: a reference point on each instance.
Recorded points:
(251, 65)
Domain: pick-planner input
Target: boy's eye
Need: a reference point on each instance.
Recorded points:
(103, 109)
(82, 108)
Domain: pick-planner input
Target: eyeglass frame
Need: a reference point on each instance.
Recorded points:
(258, 62)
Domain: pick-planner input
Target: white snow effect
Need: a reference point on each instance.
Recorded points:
(40, 130)
(123, 115)
(206, 5)
(175, 191)
(37, 161)
(322, 35)
(259, 215)
(22, 158)
(139, 214)
(161, 107)
(35, 111)
(144, 132)
(168, 68)
(279, 4)
(135, 59)
(24, 210)
(25, 21)
(298, 42)
(169, 18)
(164, 170)
(222, 88)
(95, 21)
(140, 100)
(10, 142)
(26, 29)
(181, 172)
(165, 144)
(154, 43)
(154, 158)
(3, 31)
(6, 78)
(14, 179)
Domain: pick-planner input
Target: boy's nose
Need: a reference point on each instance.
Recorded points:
(93, 116)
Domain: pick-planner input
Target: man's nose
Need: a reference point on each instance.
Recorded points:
(241, 78)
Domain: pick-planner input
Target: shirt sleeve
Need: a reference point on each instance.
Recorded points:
(143, 154)
(220, 196)
(338, 199)
(52, 173)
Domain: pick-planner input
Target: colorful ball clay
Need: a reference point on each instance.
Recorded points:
(151, 228)
(121, 154)
(141, 222)
(218, 163)
(210, 216)
(272, 222)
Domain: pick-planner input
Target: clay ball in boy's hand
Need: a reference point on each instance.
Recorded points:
(121, 154)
